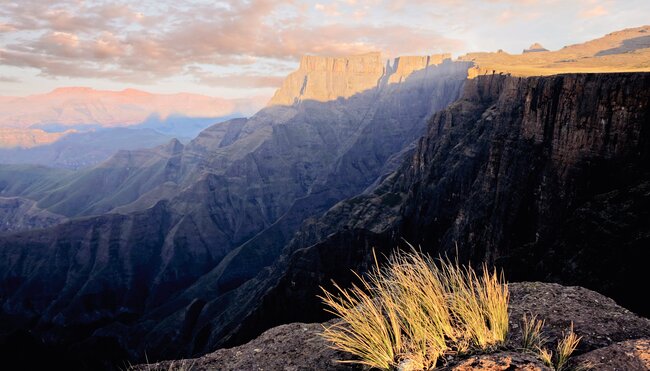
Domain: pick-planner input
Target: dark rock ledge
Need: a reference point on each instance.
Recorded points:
(613, 338)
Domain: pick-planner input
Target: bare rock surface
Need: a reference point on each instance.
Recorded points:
(631, 355)
(596, 318)
(292, 347)
(605, 328)
(503, 361)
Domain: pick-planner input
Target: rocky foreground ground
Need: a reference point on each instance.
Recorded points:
(613, 338)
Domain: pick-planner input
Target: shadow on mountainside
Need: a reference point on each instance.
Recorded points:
(120, 279)
(627, 46)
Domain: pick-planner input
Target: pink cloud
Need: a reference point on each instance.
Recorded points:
(98, 41)
(593, 12)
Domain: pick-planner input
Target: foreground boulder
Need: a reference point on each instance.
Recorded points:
(631, 355)
(613, 338)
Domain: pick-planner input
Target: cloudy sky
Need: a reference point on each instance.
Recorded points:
(244, 48)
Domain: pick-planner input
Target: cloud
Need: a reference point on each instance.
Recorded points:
(149, 41)
(331, 10)
(240, 80)
(593, 12)
(9, 79)
(84, 39)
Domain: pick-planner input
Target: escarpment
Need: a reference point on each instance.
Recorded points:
(324, 79)
(545, 177)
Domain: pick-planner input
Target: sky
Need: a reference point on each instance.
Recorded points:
(238, 49)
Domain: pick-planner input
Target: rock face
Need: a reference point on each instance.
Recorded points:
(186, 224)
(545, 177)
(403, 67)
(631, 355)
(612, 338)
(324, 79)
(328, 78)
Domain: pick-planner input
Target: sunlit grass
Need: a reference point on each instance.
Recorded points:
(565, 347)
(532, 337)
(417, 310)
(180, 365)
(533, 340)
(546, 356)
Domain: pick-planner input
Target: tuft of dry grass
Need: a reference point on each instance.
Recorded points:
(532, 336)
(565, 347)
(180, 365)
(546, 356)
(532, 339)
(365, 331)
(414, 311)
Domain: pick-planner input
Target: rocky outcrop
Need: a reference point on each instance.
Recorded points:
(535, 48)
(295, 346)
(631, 355)
(612, 338)
(187, 224)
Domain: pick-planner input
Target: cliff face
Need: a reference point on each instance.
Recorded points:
(327, 78)
(324, 79)
(403, 67)
(546, 177)
(189, 223)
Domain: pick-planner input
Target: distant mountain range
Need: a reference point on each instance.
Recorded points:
(78, 149)
(80, 127)
(77, 107)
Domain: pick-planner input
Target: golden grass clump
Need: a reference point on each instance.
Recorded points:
(532, 337)
(416, 310)
(565, 348)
